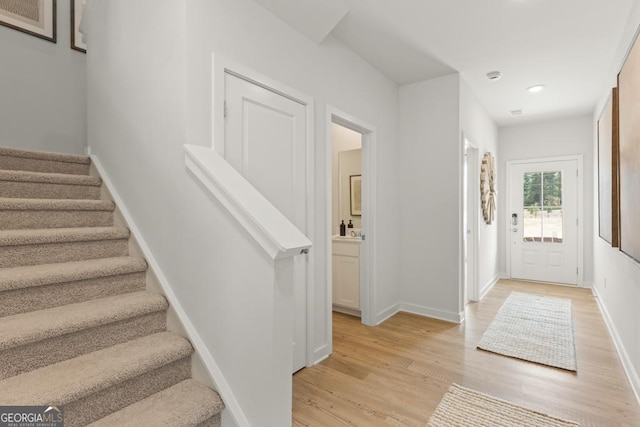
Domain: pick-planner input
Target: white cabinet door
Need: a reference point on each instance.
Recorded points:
(346, 281)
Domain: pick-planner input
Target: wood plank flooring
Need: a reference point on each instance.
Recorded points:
(396, 373)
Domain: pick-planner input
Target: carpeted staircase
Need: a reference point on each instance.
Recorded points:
(77, 327)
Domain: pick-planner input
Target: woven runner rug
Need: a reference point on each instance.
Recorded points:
(535, 328)
(464, 407)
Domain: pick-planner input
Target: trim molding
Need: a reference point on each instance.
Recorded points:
(433, 313)
(387, 313)
(490, 284)
(231, 403)
(632, 375)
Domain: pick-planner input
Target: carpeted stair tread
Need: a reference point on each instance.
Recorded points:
(49, 274)
(56, 205)
(186, 404)
(72, 379)
(25, 328)
(60, 235)
(49, 178)
(44, 155)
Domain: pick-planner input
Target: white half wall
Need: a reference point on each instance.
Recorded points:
(43, 90)
(563, 137)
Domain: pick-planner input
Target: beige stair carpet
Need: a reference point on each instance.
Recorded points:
(77, 327)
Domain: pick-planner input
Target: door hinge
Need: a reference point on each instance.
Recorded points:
(225, 109)
(576, 172)
(576, 271)
(577, 221)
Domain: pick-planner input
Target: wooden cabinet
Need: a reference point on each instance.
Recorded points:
(346, 274)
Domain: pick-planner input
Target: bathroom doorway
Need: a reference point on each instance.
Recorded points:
(346, 218)
(360, 241)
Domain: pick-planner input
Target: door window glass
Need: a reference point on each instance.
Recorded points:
(542, 210)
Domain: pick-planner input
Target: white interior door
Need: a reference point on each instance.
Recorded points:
(543, 221)
(265, 140)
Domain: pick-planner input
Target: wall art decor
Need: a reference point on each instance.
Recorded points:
(35, 17)
(77, 9)
(356, 194)
(629, 155)
(608, 171)
(488, 188)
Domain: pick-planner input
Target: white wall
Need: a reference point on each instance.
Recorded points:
(42, 90)
(571, 136)
(343, 140)
(480, 129)
(616, 277)
(246, 33)
(149, 97)
(430, 179)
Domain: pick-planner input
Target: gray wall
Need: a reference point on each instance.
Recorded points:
(42, 90)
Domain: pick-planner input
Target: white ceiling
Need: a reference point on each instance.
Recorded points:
(567, 45)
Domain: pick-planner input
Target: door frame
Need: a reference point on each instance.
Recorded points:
(368, 250)
(473, 209)
(580, 202)
(221, 65)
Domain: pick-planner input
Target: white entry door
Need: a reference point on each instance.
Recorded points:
(265, 140)
(543, 221)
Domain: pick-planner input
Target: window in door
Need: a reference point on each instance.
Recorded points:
(542, 211)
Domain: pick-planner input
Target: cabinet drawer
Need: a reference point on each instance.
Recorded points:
(346, 248)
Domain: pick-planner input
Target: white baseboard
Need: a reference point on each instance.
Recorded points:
(421, 311)
(321, 353)
(320, 356)
(434, 313)
(490, 284)
(222, 386)
(387, 313)
(629, 369)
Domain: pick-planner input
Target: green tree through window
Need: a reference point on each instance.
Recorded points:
(542, 197)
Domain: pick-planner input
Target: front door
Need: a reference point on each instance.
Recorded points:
(265, 140)
(543, 221)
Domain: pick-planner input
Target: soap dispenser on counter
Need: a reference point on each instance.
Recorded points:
(343, 230)
(350, 225)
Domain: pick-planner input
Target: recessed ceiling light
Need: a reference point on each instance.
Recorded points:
(494, 75)
(516, 112)
(535, 88)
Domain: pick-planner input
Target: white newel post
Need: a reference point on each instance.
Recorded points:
(283, 333)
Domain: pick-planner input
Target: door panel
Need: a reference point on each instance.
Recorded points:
(544, 221)
(265, 140)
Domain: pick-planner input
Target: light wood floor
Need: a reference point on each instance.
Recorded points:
(395, 374)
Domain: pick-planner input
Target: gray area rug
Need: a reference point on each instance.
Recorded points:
(535, 328)
(464, 407)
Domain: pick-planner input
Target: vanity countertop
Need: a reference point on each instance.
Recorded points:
(347, 239)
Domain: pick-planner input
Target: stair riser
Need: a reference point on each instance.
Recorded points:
(44, 190)
(102, 403)
(47, 166)
(15, 256)
(22, 220)
(49, 296)
(46, 352)
(214, 421)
